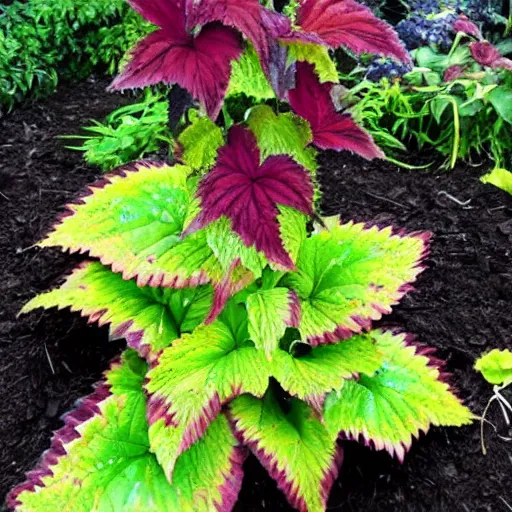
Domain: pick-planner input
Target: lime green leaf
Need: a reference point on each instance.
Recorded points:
(500, 178)
(496, 367)
(292, 226)
(191, 382)
(324, 368)
(283, 134)
(100, 460)
(149, 318)
(248, 78)
(317, 55)
(270, 313)
(390, 407)
(294, 447)
(350, 275)
(201, 142)
(501, 99)
(133, 220)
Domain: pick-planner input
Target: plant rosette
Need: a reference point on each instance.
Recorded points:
(247, 317)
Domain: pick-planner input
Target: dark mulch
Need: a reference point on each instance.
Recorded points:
(463, 307)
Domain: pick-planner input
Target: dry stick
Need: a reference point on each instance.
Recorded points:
(454, 199)
(49, 359)
(375, 196)
(506, 504)
(4, 196)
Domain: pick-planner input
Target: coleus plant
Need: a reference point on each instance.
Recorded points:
(247, 317)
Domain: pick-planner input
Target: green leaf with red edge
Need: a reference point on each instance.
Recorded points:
(193, 379)
(391, 406)
(283, 134)
(270, 312)
(325, 368)
(101, 459)
(350, 275)
(318, 55)
(134, 220)
(149, 318)
(293, 446)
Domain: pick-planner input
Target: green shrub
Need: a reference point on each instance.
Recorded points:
(40, 41)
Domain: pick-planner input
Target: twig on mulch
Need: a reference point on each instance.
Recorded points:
(375, 196)
(454, 199)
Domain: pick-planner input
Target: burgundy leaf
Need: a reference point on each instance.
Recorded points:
(201, 64)
(453, 72)
(488, 55)
(247, 192)
(331, 130)
(349, 24)
(464, 24)
(166, 14)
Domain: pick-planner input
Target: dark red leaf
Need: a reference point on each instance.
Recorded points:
(166, 14)
(331, 130)
(349, 24)
(201, 64)
(453, 72)
(247, 192)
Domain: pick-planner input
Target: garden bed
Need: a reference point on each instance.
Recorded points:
(462, 307)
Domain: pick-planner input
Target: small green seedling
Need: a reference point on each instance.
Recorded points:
(496, 368)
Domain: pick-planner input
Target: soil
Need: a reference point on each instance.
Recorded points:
(462, 307)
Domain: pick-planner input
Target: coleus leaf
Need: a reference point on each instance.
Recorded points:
(294, 447)
(324, 368)
(149, 318)
(350, 275)
(200, 143)
(200, 64)
(390, 407)
(488, 55)
(242, 189)
(464, 24)
(351, 25)
(282, 134)
(317, 55)
(100, 459)
(331, 130)
(270, 312)
(190, 383)
(496, 367)
(133, 219)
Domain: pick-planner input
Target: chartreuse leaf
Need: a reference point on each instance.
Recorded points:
(190, 384)
(270, 312)
(496, 367)
(324, 368)
(133, 220)
(293, 446)
(391, 406)
(101, 460)
(317, 55)
(282, 134)
(247, 77)
(292, 227)
(149, 318)
(201, 142)
(350, 275)
(500, 178)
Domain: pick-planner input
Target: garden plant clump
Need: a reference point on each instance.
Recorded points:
(247, 316)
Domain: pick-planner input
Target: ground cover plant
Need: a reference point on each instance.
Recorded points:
(248, 318)
(40, 41)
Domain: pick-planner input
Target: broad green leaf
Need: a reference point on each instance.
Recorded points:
(496, 367)
(501, 99)
(201, 142)
(294, 447)
(325, 368)
(270, 312)
(500, 178)
(350, 275)
(292, 226)
(248, 78)
(134, 220)
(191, 382)
(101, 461)
(149, 318)
(317, 55)
(390, 407)
(283, 134)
